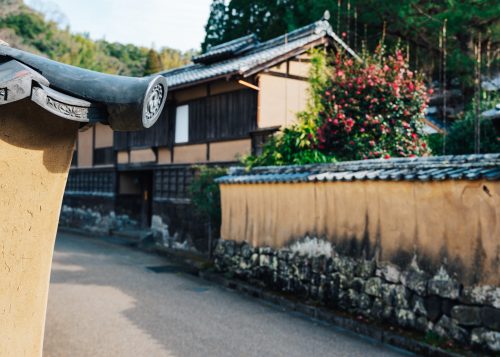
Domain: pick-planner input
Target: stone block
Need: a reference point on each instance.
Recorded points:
(486, 339)
(365, 268)
(389, 272)
(433, 307)
(443, 285)
(448, 328)
(415, 280)
(481, 295)
(405, 318)
(466, 315)
(373, 287)
(418, 306)
(400, 296)
(358, 285)
(490, 318)
(364, 302)
(377, 308)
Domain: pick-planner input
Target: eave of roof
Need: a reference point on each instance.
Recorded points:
(435, 168)
(261, 56)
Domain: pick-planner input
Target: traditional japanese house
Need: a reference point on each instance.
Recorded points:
(222, 106)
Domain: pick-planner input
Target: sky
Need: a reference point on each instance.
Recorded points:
(162, 23)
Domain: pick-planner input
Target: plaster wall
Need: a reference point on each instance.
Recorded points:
(280, 99)
(229, 150)
(35, 155)
(164, 156)
(452, 222)
(103, 136)
(299, 68)
(142, 155)
(85, 148)
(122, 157)
(188, 154)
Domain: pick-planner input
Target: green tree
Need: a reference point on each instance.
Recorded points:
(373, 109)
(417, 23)
(27, 29)
(215, 27)
(205, 197)
(356, 110)
(153, 63)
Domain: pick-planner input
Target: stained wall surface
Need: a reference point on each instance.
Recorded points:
(452, 222)
(35, 154)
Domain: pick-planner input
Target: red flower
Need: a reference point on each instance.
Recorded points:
(387, 156)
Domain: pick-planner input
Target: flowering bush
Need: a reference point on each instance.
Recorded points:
(356, 110)
(372, 109)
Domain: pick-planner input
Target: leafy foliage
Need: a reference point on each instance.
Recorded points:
(414, 22)
(205, 192)
(356, 110)
(153, 63)
(372, 109)
(297, 144)
(33, 33)
(460, 137)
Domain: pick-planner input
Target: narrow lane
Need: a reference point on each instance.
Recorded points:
(103, 301)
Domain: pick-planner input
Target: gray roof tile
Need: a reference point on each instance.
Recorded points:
(246, 59)
(437, 168)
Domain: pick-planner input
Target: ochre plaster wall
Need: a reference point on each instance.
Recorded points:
(103, 136)
(280, 99)
(299, 68)
(187, 154)
(85, 148)
(164, 156)
(35, 154)
(122, 157)
(452, 222)
(142, 155)
(229, 150)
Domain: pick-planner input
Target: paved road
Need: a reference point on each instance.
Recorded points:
(103, 301)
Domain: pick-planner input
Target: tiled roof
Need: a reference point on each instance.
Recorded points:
(228, 49)
(255, 55)
(435, 168)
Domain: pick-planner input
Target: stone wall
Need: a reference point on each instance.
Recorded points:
(432, 303)
(185, 226)
(94, 221)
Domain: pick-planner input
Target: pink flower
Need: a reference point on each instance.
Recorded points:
(335, 122)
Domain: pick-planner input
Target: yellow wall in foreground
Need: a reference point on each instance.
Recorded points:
(455, 219)
(35, 154)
